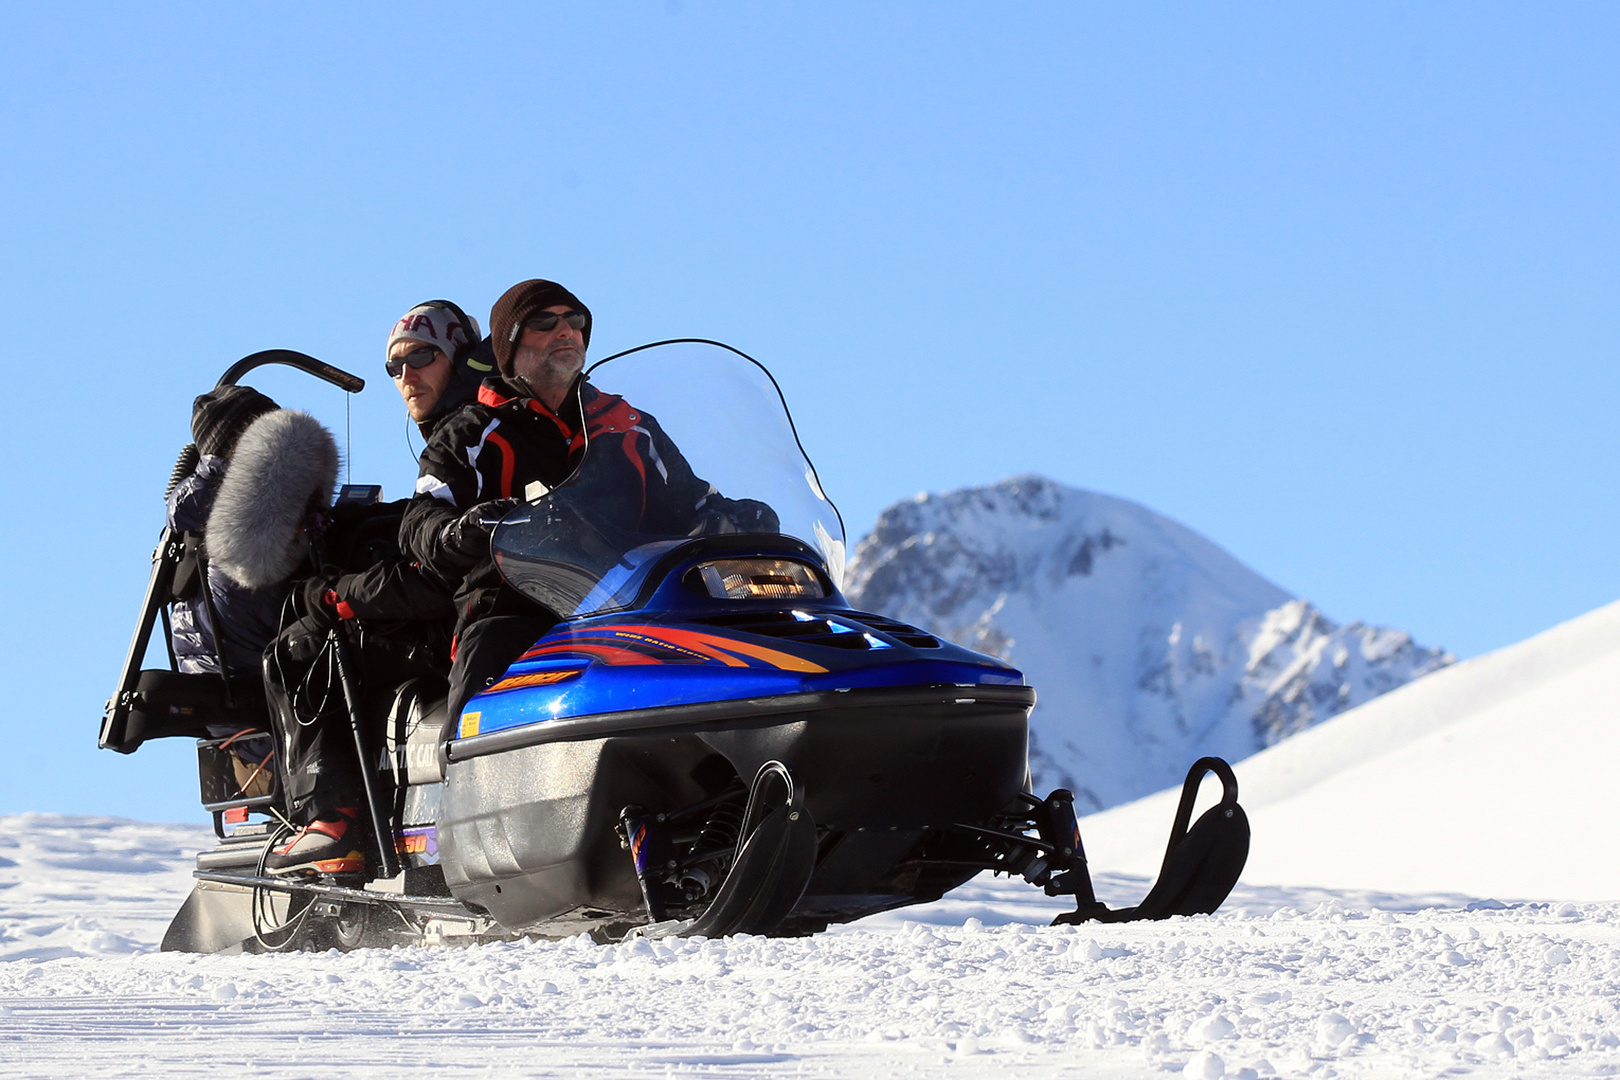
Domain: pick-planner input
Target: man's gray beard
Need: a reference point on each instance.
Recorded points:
(522, 382)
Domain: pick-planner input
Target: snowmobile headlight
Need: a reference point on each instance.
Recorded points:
(760, 579)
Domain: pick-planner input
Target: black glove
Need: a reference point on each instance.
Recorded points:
(315, 592)
(469, 534)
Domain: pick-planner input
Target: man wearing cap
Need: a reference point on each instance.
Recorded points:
(523, 437)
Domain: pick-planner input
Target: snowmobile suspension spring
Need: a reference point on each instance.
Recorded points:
(721, 830)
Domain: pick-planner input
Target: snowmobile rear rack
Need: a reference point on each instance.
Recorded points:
(168, 554)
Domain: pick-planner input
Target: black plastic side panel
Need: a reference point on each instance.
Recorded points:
(529, 834)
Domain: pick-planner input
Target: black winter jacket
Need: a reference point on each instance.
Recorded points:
(510, 445)
(399, 589)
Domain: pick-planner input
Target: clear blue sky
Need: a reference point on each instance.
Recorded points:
(1334, 284)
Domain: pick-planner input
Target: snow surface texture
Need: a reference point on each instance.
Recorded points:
(1485, 777)
(1495, 776)
(1148, 645)
(1358, 985)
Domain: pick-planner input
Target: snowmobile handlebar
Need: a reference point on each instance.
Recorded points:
(302, 361)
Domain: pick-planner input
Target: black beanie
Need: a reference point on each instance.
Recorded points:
(219, 417)
(517, 304)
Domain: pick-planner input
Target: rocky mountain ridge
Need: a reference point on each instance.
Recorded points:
(1149, 645)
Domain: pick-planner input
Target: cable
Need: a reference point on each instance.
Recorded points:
(416, 455)
(261, 902)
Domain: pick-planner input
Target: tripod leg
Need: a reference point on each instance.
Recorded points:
(387, 860)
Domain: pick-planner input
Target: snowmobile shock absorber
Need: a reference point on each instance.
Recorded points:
(1056, 822)
(642, 835)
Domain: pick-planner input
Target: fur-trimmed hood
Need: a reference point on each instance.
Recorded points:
(284, 462)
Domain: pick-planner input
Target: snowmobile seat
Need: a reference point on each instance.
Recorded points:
(169, 704)
(418, 726)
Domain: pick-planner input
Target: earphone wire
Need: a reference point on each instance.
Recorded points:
(410, 444)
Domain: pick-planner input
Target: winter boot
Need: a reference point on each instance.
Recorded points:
(328, 845)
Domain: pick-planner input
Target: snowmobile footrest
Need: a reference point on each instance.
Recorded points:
(334, 892)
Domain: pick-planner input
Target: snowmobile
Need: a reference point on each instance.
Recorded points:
(711, 741)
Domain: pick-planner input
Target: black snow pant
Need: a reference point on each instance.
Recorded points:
(485, 649)
(313, 733)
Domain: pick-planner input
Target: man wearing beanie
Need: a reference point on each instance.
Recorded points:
(523, 437)
(436, 361)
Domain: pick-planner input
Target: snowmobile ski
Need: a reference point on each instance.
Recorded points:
(1201, 864)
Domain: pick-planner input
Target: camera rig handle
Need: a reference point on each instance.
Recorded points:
(302, 361)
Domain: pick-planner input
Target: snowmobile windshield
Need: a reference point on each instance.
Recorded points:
(684, 439)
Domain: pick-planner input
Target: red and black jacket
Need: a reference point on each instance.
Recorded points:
(510, 445)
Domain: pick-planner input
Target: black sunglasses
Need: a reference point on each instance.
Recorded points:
(417, 358)
(545, 321)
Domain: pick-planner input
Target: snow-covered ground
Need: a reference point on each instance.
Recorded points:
(1283, 982)
(1488, 777)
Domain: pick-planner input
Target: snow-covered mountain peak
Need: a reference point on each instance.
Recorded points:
(1148, 644)
(1030, 532)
